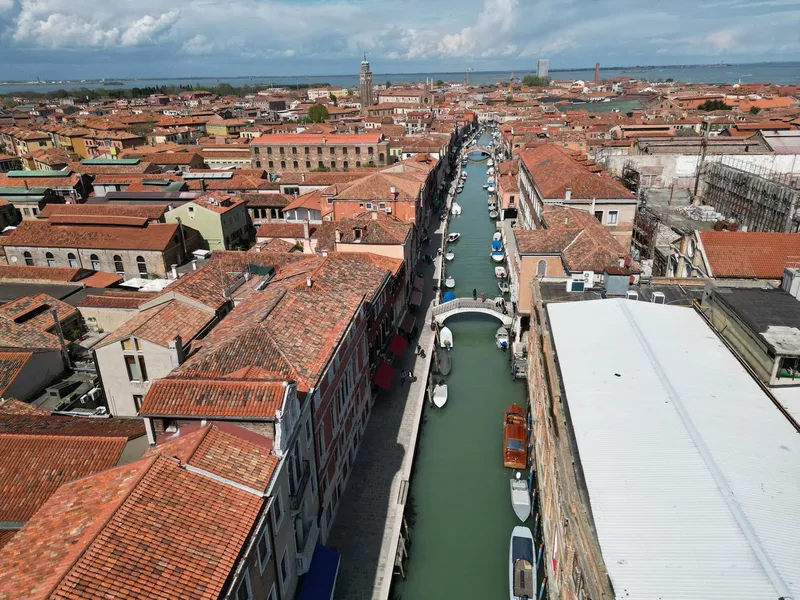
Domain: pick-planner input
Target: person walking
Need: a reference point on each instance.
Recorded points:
(474, 293)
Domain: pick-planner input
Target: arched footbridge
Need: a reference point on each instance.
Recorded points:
(481, 149)
(444, 311)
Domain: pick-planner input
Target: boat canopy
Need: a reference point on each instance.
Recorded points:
(320, 580)
(497, 245)
(384, 376)
(448, 296)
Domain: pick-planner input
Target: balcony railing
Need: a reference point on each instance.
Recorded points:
(306, 545)
(296, 496)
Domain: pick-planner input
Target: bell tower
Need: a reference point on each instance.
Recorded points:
(365, 82)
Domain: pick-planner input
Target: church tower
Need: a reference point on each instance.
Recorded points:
(365, 81)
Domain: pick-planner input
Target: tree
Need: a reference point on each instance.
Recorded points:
(333, 99)
(710, 105)
(317, 113)
(533, 81)
(754, 110)
(439, 83)
(388, 84)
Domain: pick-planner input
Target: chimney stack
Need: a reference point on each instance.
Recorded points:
(306, 231)
(568, 195)
(375, 215)
(309, 282)
(338, 235)
(174, 271)
(596, 72)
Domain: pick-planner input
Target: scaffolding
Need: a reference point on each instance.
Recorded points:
(630, 178)
(755, 198)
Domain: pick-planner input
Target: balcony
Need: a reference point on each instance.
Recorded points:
(297, 492)
(306, 536)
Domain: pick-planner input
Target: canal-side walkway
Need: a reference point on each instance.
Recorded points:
(368, 523)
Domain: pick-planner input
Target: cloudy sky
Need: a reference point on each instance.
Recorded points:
(173, 38)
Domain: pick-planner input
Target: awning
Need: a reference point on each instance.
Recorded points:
(384, 376)
(408, 323)
(398, 345)
(320, 580)
(416, 298)
(419, 283)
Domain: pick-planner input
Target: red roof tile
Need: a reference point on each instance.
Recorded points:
(154, 236)
(749, 254)
(163, 323)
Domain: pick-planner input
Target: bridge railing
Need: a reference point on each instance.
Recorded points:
(461, 303)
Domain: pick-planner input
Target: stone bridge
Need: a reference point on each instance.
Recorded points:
(482, 149)
(443, 311)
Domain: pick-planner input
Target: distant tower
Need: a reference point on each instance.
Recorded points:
(596, 72)
(365, 81)
(543, 68)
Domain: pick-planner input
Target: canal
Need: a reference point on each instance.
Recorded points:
(460, 498)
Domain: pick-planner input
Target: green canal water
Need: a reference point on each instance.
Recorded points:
(460, 491)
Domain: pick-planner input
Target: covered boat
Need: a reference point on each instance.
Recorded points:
(500, 272)
(520, 497)
(493, 214)
(496, 244)
(452, 237)
(490, 189)
(498, 256)
(450, 282)
(446, 338)
(501, 338)
(449, 255)
(440, 394)
(455, 209)
(521, 574)
(514, 438)
(448, 296)
(444, 361)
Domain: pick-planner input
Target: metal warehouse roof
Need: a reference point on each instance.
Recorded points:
(693, 474)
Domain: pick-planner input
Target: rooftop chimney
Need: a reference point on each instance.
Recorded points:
(393, 191)
(306, 231)
(568, 195)
(375, 215)
(309, 283)
(338, 235)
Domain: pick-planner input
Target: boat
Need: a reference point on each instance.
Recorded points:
(504, 287)
(485, 186)
(490, 171)
(493, 214)
(449, 255)
(446, 338)
(497, 245)
(455, 210)
(492, 205)
(498, 256)
(521, 574)
(500, 272)
(463, 174)
(514, 437)
(497, 237)
(450, 282)
(452, 237)
(490, 163)
(459, 189)
(490, 189)
(444, 362)
(490, 181)
(501, 338)
(520, 497)
(440, 394)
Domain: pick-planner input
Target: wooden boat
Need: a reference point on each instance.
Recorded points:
(450, 282)
(446, 338)
(521, 574)
(440, 395)
(514, 438)
(501, 338)
(452, 237)
(520, 497)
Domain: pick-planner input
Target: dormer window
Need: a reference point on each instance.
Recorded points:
(357, 234)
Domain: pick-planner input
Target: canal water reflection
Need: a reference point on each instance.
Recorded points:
(460, 490)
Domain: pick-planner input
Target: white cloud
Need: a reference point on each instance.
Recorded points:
(197, 45)
(6, 5)
(148, 28)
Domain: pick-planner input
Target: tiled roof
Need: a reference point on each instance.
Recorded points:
(749, 254)
(218, 202)
(210, 283)
(173, 158)
(163, 323)
(225, 450)
(11, 363)
(14, 421)
(378, 186)
(104, 536)
(26, 273)
(555, 169)
(122, 299)
(141, 167)
(10, 406)
(40, 182)
(26, 321)
(279, 229)
(150, 212)
(385, 230)
(321, 178)
(276, 245)
(101, 279)
(237, 183)
(209, 398)
(32, 467)
(330, 139)
(154, 236)
(266, 200)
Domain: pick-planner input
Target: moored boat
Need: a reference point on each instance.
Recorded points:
(444, 361)
(497, 236)
(440, 394)
(459, 189)
(490, 189)
(449, 255)
(501, 338)
(493, 214)
(450, 282)
(504, 287)
(452, 237)
(445, 338)
(521, 576)
(500, 272)
(498, 256)
(455, 210)
(486, 186)
(514, 437)
(520, 497)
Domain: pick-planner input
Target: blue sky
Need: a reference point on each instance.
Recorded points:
(174, 38)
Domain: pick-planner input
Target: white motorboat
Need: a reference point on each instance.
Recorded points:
(504, 287)
(486, 186)
(490, 189)
(498, 256)
(490, 163)
(497, 237)
(492, 205)
(520, 498)
(459, 189)
(440, 395)
(455, 210)
(521, 573)
(463, 174)
(445, 338)
(452, 237)
(449, 255)
(500, 272)
(493, 214)
(450, 282)
(490, 171)
(501, 338)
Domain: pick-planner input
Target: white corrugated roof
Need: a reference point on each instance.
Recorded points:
(693, 474)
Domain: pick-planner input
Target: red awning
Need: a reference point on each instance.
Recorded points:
(408, 323)
(419, 282)
(416, 298)
(384, 376)
(398, 345)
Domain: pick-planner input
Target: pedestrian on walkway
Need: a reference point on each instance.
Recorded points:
(474, 293)
(483, 296)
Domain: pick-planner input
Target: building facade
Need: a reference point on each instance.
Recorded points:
(291, 153)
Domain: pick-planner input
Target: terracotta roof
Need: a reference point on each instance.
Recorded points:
(26, 321)
(163, 323)
(10, 406)
(152, 212)
(209, 398)
(114, 522)
(13, 420)
(276, 245)
(324, 178)
(218, 202)
(11, 363)
(26, 273)
(279, 229)
(154, 236)
(70, 181)
(749, 254)
(266, 200)
(173, 158)
(330, 139)
(378, 186)
(555, 169)
(122, 299)
(385, 230)
(100, 279)
(210, 284)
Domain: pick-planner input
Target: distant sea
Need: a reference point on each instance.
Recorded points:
(786, 73)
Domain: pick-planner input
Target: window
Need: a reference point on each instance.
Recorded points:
(344, 164)
(308, 164)
(309, 433)
(271, 164)
(306, 150)
(72, 260)
(281, 150)
(321, 165)
(344, 150)
(264, 550)
(277, 511)
(319, 149)
(598, 214)
(137, 402)
(333, 164)
(244, 591)
(95, 262)
(26, 212)
(358, 150)
(191, 208)
(283, 164)
(51, 261)
(141, 266)
(332, 150)
(613, 215)
(258, 164)
(323, 450)
(137, 371)
(256, 150)
(294, 150)
(28, 258)
(541, 268)
(294, 164)
(118, 267)
(370, 150)
(358, 163)
(284, 569)
(269, 150)
(380, 157)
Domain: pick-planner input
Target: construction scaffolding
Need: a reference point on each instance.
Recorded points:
(756, 199)
(630, 178)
